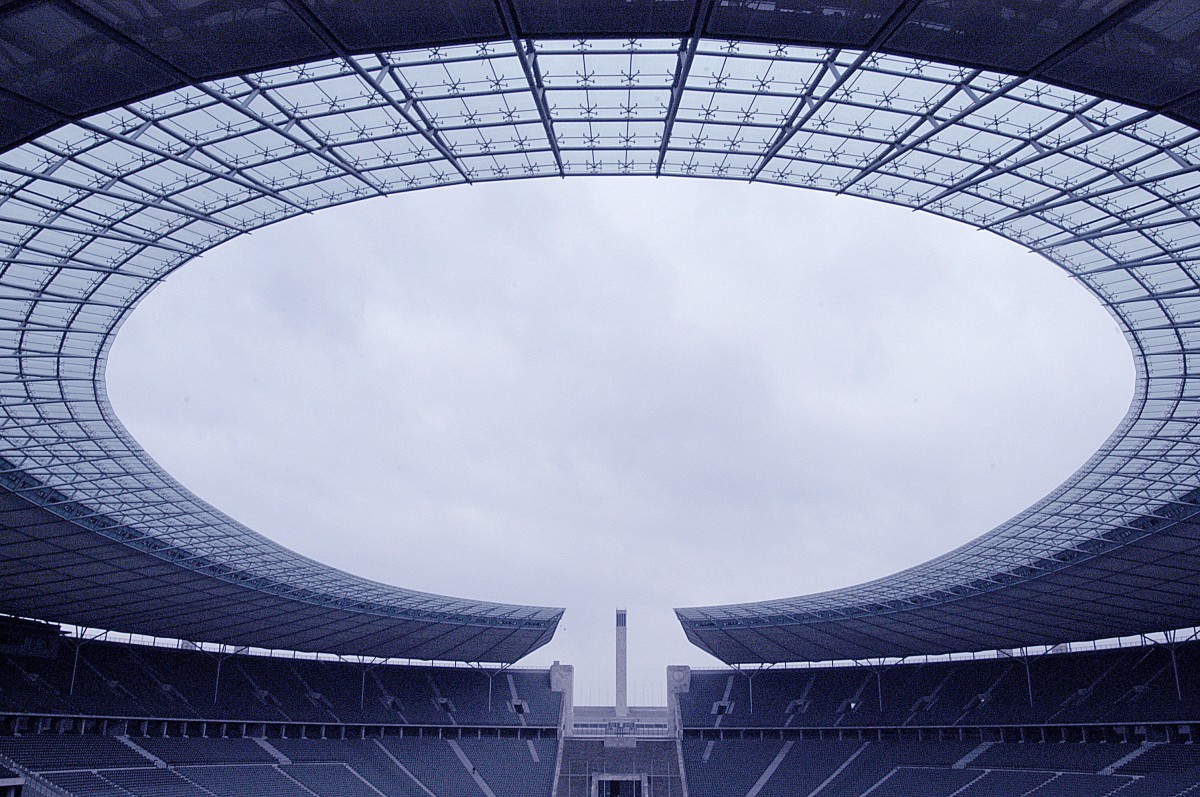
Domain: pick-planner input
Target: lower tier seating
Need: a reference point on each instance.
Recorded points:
(105, 766)
(507, 766)
(846, 768)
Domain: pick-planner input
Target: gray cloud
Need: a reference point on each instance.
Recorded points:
(592, 393)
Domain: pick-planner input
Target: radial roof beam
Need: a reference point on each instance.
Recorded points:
(806, 111)
(527, 53)
(679, 81)
(93, 217)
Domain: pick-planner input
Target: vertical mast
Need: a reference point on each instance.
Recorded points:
(622, 694)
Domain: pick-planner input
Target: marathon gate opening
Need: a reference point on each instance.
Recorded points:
(620, 786)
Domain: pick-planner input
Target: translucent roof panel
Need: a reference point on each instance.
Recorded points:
(137, 137)
(78, 56)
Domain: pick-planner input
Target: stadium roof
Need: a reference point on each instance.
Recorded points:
(138, 135)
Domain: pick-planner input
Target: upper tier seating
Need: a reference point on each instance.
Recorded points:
(113, 680)
(1127, 685)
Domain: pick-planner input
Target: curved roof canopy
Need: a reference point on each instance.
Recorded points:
(136, 136)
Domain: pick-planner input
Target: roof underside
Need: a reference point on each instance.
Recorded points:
(70, 58)
(52, 568)
(98, 205)
(1150, 583)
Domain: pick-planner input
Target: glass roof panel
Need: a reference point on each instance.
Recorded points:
(96, 212)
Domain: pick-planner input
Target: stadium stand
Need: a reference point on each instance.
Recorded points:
(153, 783)
(11, 784)
(433, 762)
(181, 751)
(583, 759)
(85, 784)
(1102, 722)
(801, 769)
(508, 776)
(1060, 724)
(135, 138)
(84, 764)
(841, 768)
(45, 752)
(366, 757)
(114, 680)
(1120, 685)
(332, 778)
(103, 719)
(732, 769)
(235, 781)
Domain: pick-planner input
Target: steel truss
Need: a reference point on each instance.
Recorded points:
(98, 211)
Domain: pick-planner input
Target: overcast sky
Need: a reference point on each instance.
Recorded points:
(620, 392)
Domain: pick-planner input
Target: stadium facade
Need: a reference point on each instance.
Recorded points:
(136, 136)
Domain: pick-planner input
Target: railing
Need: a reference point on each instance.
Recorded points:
(598, 730)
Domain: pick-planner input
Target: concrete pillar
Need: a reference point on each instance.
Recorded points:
(622, 688)
(562, 680)
(679, 681)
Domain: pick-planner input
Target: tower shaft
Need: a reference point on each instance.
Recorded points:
(622, 704)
